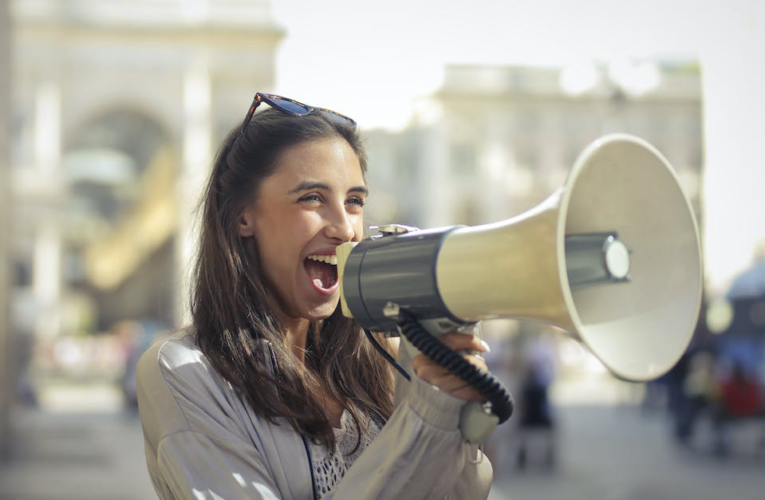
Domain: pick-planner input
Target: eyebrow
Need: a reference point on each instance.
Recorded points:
(308, 185)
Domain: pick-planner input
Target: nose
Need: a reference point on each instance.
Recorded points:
(340, 225)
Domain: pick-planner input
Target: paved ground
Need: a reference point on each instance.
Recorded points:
(84, 457)
(94, 453)
(624, 454)
(605, 452)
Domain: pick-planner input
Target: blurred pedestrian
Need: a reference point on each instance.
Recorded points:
(700, 393)
(536, 418)
(740, 398)
(740, 394)
(505, 361)
(129, 335)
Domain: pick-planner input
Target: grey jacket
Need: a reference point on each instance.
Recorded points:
(204, 441)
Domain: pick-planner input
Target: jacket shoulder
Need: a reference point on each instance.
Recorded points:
(177, 388)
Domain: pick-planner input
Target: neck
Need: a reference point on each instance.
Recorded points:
(295, 330)
(296, 333)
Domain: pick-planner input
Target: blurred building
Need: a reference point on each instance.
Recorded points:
(6, 386)
(495, 141)
(117, 109)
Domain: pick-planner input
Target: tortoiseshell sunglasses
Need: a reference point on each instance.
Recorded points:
(291, 107)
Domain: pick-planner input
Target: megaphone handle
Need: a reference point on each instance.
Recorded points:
(476, 420)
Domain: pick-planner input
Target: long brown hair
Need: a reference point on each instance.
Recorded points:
(230, 303)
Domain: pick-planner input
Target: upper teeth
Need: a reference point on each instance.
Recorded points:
(327, 259)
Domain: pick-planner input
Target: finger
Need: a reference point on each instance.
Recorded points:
(444, 381)
(464, 342)
(451, 384)
(468, 393)
(427, 369)
(457, 387)
(442, 378)
(478, 362)
(421, 362)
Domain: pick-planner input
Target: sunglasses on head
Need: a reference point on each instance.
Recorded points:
(291, 107)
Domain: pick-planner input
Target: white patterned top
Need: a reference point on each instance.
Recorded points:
(329, 468)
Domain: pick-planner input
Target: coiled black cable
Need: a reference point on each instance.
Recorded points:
(501, 400)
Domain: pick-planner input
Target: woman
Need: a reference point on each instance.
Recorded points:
(272, 393)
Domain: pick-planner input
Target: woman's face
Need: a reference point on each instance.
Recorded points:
(312, 203)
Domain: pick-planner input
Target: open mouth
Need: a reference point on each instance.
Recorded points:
(322, 270)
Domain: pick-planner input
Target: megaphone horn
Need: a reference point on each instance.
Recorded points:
(612, 257)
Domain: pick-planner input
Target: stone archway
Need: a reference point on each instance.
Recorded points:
(121, 168)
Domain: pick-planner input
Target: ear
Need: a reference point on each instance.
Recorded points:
(246, 225)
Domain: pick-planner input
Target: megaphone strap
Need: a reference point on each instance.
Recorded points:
(387, 355)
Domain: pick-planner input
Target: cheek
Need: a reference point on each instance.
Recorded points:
(281, 243)
(359, 228)
(272, 248)
(277, 253)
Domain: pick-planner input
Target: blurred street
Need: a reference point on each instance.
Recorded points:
(66, 454)
(606, 451)
(622, 454)
(610, 446)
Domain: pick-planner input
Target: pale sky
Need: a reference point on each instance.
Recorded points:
(369, 59)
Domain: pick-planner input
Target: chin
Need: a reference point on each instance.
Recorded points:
(323, 311)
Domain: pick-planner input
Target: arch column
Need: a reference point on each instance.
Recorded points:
(48, 238)
(197, 134)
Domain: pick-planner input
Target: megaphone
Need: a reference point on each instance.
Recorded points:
(612, 257)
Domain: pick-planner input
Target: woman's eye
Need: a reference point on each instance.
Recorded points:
(355, 201)
(311, 198)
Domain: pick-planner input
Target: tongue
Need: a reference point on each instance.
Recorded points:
(320, 273)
